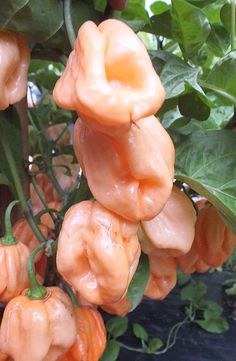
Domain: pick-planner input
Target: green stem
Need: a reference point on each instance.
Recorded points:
(36, 291)
(19, 188)
(36, 188)
(68, 23)
(232, 24)
(72, 296)
(8, 238)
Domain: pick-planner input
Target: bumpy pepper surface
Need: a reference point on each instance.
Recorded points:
(14, 63)
(48, 325)
(13, 270)
(192, 262)
(120, 308)
(98, 252)
(109, 78)
(91, 336)
(214, 241)
(171, 232)
(132, 175)
(163, 276)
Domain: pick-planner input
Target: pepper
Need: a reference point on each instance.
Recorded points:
(132, 175)
(171, 232)
(4, 357)
(46, 219)
(42, 316)
(14, 63)
(214, 241)
(59, 134)
(162, 278)
(120, 308)
(13, 262)
(98, 252)
(191, 262)
(109, 78)
(91, 336)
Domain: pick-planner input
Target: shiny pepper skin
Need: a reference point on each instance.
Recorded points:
(47, 326)
(91, 336)
(14, 63)
(191, 262)
(4, 357)
(132, 175)
(13, 270)
(214, 241)
(109, 78)
(171, 232)
(98, 252)
(120, 308)
(163, 276)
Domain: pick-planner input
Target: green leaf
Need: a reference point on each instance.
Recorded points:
(160, 25)
(154, 345)
(225, 16)
(100, 5)
(140, 332)
(212, 310)
(175, 75)
(159, 7)
(191, 105)
(111, 352)
(231, 291)
(9, 9)
(190, 26)
(193, 292)
(201, 3)
(222, 78)
(10, 130)
(214, 325)
(183, 278)
(117, 326)
(218, 40)
(134, 14)
(206, 162)
(139, 281)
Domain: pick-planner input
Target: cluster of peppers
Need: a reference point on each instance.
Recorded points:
(128, 160)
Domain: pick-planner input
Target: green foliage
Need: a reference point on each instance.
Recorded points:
(139, 281)
(140, 332)
(117, 326)
(112, 351)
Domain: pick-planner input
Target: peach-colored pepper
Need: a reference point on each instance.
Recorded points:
(46, 325)
(13, 270)
(109, 78)
(131, 174)
(191, 262)
(60, 132)
(4, 357)
(163, 276)
(46, 219)
(91, 336)
(171, 232)
(98, 252)
(214, 241)
(14, 63)
(120, 308)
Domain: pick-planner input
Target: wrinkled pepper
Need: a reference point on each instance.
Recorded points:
(98, 252)
(132, 175)
(109, 78)
(192, 262)
(14, 63)
(120, 308)
(171, 232)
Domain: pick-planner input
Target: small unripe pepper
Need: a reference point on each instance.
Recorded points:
(43, 317)
(14, 63)
(98, 252)
(171, 232)
(109, 78)
(132, 175)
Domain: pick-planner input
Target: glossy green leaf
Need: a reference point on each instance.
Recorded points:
(193, 292)
(225, 16)
(190, 26)
(140, 332)
(159, 7)
(111, 352)
(139, 281)
(201, 3)
(10, 132)
(213, 325)
(160, 25)
(222, 78)
(218, 40)
(117, 326)
(206, 162)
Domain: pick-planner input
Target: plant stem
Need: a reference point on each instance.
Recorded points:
(36, 188)
(72, 296)
(232, 24)
(36, 291)
(8, 238)
(19, 188)
(68, 23)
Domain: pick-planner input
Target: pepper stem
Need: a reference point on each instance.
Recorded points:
(8, 238)
(36, 291)
(72, 296)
